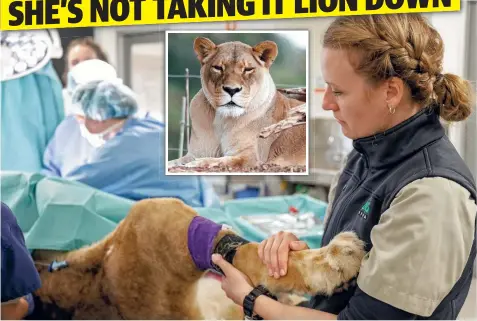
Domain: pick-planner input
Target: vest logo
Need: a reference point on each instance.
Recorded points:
(364, 211)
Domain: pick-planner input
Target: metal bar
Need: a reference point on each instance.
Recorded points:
(183, 76)
(187, 108)
(181, 139)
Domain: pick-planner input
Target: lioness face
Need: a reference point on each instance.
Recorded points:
(235, 76)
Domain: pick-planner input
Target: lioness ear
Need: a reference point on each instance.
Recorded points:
(266, 51)
(203, 47)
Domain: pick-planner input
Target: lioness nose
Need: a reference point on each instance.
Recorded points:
(231, 90)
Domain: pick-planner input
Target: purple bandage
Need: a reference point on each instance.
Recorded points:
(201, 236)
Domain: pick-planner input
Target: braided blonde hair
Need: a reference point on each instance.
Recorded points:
(404, 46)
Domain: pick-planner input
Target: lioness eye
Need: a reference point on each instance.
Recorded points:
(218, 68)
(249, 69)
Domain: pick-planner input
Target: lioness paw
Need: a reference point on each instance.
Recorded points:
(213, 162)
(202, 163)
(344, 252)
(173, 163)
(326, 269)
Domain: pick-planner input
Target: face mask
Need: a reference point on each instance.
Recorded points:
(98, 140)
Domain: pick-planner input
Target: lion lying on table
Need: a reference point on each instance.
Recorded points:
(150, 266)
(237, 100)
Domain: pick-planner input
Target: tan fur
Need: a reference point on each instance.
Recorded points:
(228, 136)
(143, 270)
(214, 303)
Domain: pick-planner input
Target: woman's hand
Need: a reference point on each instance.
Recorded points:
(274, 252)
(235, 284)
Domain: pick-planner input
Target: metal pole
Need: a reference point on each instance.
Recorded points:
(187, 108)
(181, 140)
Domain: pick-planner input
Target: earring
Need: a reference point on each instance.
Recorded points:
(392, 109)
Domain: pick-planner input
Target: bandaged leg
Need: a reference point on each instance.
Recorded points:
(203, 242)
(309, 272)
(150, 266)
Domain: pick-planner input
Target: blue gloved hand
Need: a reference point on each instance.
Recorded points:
(31, 303)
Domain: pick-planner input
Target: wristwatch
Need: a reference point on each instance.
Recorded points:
(249, 302)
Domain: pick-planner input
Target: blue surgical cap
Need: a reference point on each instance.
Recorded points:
(98, 94)
(105, 100)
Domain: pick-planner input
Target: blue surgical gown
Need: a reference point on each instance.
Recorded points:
(19, 275)
(31, 109)
(130, 165)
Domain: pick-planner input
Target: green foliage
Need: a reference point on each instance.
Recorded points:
(288, 69)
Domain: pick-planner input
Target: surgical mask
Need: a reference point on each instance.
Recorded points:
(97, 140)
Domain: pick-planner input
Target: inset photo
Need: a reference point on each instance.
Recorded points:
(237, 103)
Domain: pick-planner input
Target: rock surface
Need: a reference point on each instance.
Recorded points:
(224, 169)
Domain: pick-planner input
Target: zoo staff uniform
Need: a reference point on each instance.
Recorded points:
(19, 275)
(409, 195)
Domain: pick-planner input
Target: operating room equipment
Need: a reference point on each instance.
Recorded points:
(60, 214)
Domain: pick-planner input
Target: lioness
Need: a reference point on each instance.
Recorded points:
(151, 267)
(237, 100)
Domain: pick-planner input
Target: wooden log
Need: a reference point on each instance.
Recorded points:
(295, 93)
(296, 116)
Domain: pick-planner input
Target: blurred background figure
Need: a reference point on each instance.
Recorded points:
(31, 100)
(78, 50)
(109, 145)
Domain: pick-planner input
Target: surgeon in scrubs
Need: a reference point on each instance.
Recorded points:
(19, 275)
(31, 99)
(109, 145)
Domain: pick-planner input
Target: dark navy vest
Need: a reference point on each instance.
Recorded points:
(376, 170)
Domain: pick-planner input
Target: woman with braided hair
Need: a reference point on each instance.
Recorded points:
(404, 189)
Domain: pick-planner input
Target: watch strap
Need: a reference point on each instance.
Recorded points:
(249, 302)
(227, 248)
